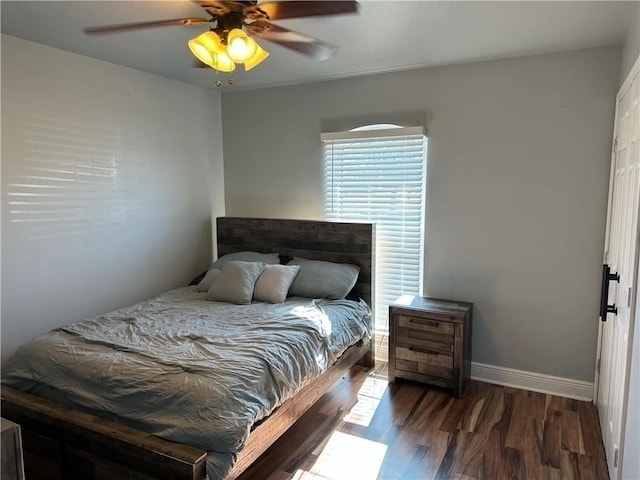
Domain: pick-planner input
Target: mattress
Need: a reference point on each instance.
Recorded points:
(190, 370)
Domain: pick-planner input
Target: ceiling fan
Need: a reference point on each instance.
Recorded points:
(233, 24)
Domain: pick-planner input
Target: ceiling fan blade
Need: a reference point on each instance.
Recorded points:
(298, 42)
(304, 8)
(214, 7)
(139, 25)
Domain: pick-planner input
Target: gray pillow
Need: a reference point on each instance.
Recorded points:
(318, 279)
(235, 282)
(266, 258)
(208, 279)
(274, 282)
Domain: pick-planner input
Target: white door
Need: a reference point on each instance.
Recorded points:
(621, 254)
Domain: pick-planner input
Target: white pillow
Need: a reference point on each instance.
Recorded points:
(274, 282)
(266, 258)
(208, 279)
(235, 282)
(318, 279)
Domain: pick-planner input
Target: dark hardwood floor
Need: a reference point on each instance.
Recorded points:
(366, 429)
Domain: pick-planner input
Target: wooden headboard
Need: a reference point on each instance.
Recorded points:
(337, 242)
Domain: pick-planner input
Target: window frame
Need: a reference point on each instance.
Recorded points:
(379, 132)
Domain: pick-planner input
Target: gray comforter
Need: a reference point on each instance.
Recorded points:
(189, 370)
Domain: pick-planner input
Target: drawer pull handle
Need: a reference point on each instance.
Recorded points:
(424, 350)
(425, 322)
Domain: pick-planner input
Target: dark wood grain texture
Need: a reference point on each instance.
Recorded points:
(430, 342)
(51, 432)
(411, 431)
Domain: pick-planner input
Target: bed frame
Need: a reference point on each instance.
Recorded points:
(62, 443)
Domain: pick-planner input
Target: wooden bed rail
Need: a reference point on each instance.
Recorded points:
(265, 434)
(62, 443)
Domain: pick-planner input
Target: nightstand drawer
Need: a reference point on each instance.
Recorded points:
(425, 325)
(424, 361)
(427, 379)
(421, 338)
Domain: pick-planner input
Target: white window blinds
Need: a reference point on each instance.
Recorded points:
(378, 175)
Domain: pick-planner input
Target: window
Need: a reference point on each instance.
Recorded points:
(377, 174)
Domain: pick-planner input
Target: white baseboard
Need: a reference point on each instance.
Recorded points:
(536, 382)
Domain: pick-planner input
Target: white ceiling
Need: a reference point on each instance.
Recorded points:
(383, 36)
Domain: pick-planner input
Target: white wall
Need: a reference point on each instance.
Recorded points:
(518, 169)
(631, 48)
(106, 173)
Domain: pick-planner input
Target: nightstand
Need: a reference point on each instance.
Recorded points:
(430, 342)
(11, 442)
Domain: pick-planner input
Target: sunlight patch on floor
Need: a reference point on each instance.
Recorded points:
(369, 397)
(346, 457)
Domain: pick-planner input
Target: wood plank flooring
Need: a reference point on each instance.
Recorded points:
(366, 429)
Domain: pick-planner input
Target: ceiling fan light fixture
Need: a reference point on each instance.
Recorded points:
(206, 46)
(260, 55)
(222, 63)
(234, 23)
(240, 46)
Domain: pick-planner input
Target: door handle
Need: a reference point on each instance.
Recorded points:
(607, 277)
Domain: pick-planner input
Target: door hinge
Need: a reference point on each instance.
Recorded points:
(615, 458)
(598, 366)
(629, 297)
(615, 146)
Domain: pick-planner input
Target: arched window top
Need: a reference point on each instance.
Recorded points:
(377, 126)
(380, 130)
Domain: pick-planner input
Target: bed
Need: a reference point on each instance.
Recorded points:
(65, 440)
